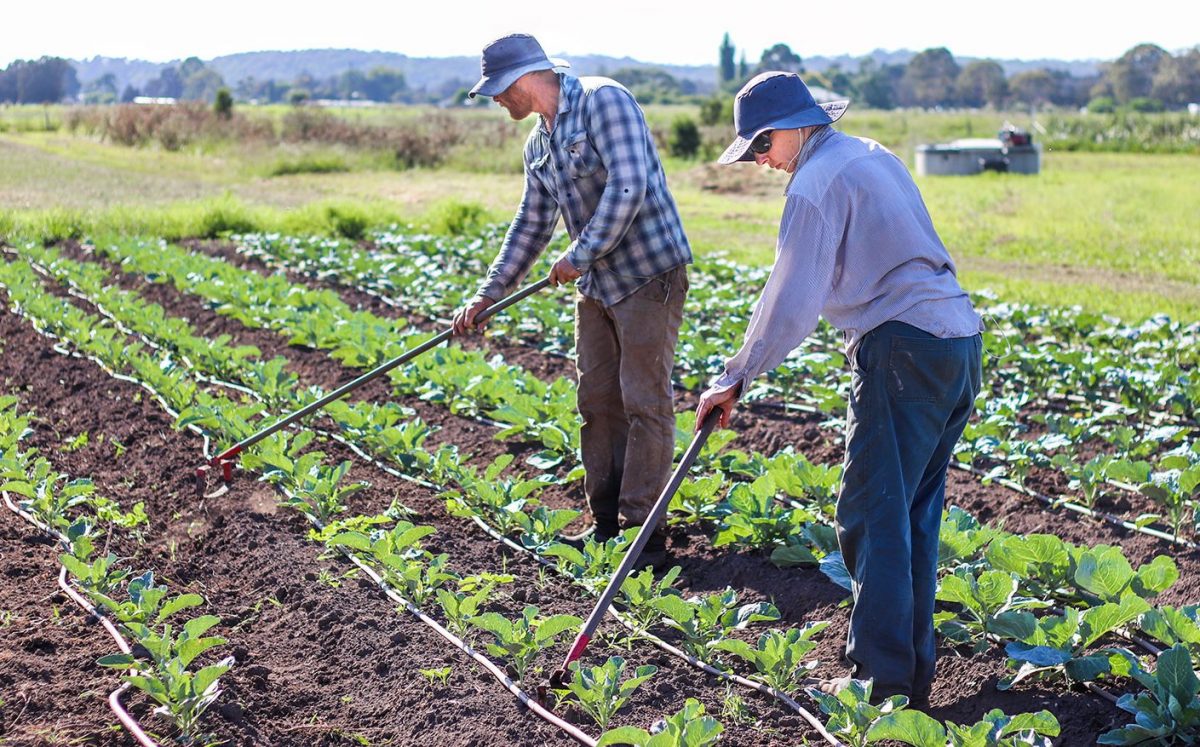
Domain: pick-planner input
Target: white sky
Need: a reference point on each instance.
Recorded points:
(674, 31)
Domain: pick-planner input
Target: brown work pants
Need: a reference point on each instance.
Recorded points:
(624, 356)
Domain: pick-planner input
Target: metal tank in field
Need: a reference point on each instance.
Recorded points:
(1013, 150)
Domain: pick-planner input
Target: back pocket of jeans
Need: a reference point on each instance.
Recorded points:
(921, 369)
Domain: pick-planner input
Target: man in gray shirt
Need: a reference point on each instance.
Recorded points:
(857, 246)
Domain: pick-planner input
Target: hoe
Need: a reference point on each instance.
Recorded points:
(225, 460)
(559, 678)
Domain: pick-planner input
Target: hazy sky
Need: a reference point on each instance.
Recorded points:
(666, 32)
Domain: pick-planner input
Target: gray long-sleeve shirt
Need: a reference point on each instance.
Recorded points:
(857, 246)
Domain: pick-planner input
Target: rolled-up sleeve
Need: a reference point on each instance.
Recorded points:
(525, 240)
(796, 291)
(618, 130)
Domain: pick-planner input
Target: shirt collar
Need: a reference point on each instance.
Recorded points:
(569, 88)
(820, 135)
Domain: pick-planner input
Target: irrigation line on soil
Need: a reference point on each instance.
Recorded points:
(808, 409)
(760, 687)
(503, 678)
(783, 697)
(114, 698)
(491, 532)
(1054, 502)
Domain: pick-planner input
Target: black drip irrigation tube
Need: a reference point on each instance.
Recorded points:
(114, 698)
(786, 406)
(521, 695)
(525, 698)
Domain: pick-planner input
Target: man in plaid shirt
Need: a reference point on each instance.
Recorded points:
(591, 159)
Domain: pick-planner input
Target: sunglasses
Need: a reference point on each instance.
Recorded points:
(762, 143)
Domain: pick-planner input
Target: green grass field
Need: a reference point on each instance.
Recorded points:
(1112, 232)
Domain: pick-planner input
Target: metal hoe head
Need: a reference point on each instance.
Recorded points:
(202, 478)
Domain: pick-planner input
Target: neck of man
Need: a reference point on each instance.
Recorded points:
(546, 102)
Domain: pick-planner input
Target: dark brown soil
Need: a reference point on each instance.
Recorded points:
(801, 595)
(316, 664)
(51, 688)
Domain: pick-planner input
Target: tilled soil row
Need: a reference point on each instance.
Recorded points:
(53, 692)
(463, 541)
(766, 428)
(763, 427)
(316, 664)
(208, 530)
(710, 570)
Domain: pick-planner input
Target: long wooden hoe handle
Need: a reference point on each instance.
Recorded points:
(635, 550)
(225, 458)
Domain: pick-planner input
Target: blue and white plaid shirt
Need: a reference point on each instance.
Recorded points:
(600, 169)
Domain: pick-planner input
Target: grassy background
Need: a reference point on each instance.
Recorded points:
(1113, 232)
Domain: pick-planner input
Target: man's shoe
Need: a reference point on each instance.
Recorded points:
(599, 532)
(654, 554)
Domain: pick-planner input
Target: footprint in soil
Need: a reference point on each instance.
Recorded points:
(327, 622)
(231, 712)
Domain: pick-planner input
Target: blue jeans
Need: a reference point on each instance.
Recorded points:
(911, 395)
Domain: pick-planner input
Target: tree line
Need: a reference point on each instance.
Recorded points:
(1147, 78)
(45, 81)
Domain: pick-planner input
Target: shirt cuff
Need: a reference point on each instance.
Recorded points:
(577, 257)
(729, 380)
(493, 290)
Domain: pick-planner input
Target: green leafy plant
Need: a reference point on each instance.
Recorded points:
(851, 715)
(639, 592)
(1173, 625)
(520, 640)
(754, 519)
(439, 675)
(1058, 646)
(602, 691)
(702, 621)
(961, 538)
(593, 565)
(989, 606)
(800, 478)
(96, 576)
(464, 604)
(540, 527)
(690, 727)
(46, 494)
(147, 602)
(996, 729)
(415, 572)
(182, 694)
(696, 501)
(1168, 710)
(778, 658)
(499, 500)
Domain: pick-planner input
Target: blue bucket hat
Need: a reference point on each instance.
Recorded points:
(507, 59)
(775, 101)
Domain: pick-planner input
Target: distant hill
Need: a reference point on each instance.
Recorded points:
(447, 73)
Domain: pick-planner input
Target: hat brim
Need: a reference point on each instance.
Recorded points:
(494, 85)
(821, 114)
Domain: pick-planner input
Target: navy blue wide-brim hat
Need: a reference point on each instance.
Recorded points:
(508, 58)
(775, 101)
